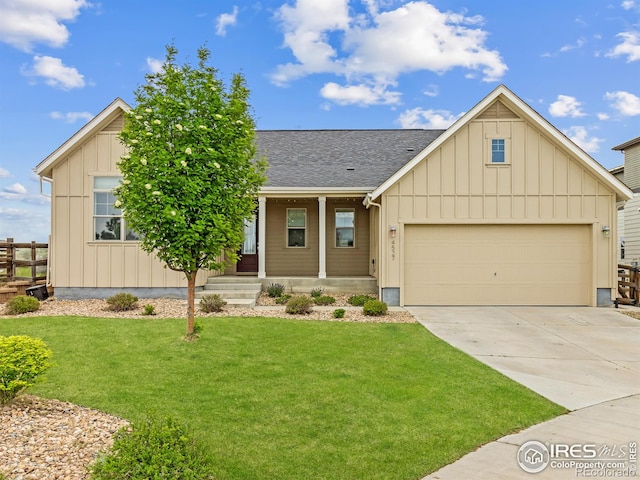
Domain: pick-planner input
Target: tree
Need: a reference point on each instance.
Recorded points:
(190, 179)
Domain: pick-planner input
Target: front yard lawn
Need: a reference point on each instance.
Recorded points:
(288, 399)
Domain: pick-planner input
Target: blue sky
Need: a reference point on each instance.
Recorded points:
(334, 64)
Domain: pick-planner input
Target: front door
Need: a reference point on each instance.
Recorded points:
(249, 252)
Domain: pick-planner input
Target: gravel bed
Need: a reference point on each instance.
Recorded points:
(51, 440)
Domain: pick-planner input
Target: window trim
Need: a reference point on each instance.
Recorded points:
(288, 228)
(507, 150)
(120, 215)
(335, 226)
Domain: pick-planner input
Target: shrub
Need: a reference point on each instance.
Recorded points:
(153, 449)
(324, 300)
(374, 308)
(212, 303)
(338, 313)
(299, 305)
(22, 359)
(359, 300)
(283, 299)
(275, 290)
(317, 292)
(22, 304)
(149, 310)
(122, 302)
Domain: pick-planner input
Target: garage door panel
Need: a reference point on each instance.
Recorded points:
(497, 265)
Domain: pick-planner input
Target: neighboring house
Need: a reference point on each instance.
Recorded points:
(499, 209)
(629, 211)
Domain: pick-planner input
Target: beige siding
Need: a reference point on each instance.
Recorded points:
(497, 264)
(348, 261)
(540, 184)
(78, 260)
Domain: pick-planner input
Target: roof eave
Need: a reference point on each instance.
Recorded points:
(301, 192)
(627, 144)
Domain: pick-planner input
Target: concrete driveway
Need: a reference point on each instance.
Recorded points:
(585, 359)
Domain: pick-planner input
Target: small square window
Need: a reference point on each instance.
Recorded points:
(497, 150)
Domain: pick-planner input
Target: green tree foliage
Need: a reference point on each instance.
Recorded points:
(22, 359)
(189, 176)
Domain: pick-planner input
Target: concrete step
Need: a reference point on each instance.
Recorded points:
(224, 279)
(230, 293)
(233, 286)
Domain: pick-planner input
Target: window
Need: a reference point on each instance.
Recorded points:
(498, 150)
(108, 223)
(345, 227)
(296, 227)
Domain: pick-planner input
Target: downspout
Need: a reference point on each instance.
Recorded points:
(370, 203)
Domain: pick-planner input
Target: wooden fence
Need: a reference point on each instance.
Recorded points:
(628, 285)
(20, 261)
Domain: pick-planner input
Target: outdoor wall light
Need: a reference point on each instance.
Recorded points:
(606, 231)
(392, 231)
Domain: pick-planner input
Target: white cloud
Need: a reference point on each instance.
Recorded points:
(24, 23)
(154, 64)
(25, 225)
(579, 43)
(16, 188)
(603, 116)
(628, 4)
(377, 47)
(359, 94)
(580, 137)
(71, 117)
(55, 73)
(432, 91)
(226, 20)
(566, 106)
(420, 118)
(625, 103)
(630, 46)
(4, 173)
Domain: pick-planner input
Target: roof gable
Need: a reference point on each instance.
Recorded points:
(505, 97)
(101, 121)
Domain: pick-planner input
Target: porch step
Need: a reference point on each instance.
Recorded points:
(239, 292)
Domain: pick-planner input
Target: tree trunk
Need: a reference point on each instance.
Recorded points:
(191, 297)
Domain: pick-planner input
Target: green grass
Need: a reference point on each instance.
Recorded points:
(285, 399)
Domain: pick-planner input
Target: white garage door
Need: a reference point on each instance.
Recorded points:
(497, 265)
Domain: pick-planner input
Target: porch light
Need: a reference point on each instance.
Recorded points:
(392, 231)
(606, 231)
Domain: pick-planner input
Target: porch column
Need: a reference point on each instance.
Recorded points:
(262, 229)
(322, 243)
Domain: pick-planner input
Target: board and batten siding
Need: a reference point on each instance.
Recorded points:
(540, 184)
(77, 259)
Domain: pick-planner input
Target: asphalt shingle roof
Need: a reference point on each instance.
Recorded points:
(338, 158)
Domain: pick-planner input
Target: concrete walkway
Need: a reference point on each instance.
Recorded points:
(585, 359)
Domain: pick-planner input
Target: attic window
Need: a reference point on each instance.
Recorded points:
(498, 151)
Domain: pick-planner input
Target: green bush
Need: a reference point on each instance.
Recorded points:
(22, 359)
(359, 300)
(22, 304)
(212, 303)
(324, 300)
(149, 310)
(299, 305)
(339, 313)
(374, 308)
(122, 302)
(283, 299)
(151, 449)
(275, 290)
(317, 292)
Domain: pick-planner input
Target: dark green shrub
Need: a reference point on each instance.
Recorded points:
(275, 290)
(339, 313)
(324, 300)
(212, 303)
(374, 308)
(22, 360)
(317, 292)
(151, 449)
(22, 304)
(122, 302)
(149, 310)
(299, 305)
(359, 300)
(283, 299)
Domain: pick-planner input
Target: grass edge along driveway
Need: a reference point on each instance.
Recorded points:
(287, 399)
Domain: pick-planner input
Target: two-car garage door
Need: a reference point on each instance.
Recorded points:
(497, 265)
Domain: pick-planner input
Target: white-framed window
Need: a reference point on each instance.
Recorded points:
(296, 227)
(498, 151)
(345, 227)
(108, 223)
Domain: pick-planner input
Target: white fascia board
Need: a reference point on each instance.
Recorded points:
(284, 192)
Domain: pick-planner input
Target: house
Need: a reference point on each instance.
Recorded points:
(629, 212)
(500, 209)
